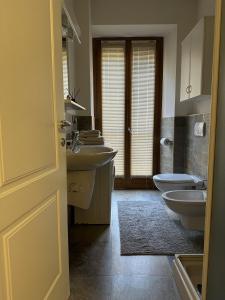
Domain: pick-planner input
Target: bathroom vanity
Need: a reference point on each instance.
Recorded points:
(90, 180)
(99, 211)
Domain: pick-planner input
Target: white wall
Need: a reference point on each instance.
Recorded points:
(180, 12)
(169, 74)
(183, 13)
(206, 8)
(83, 56)
(143, 11)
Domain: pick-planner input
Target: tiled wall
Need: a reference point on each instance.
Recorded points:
(81, 123)
(189, 153)
(196, 154)
(166, 152)
(84, 122)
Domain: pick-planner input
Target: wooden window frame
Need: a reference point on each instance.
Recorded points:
(141, 181)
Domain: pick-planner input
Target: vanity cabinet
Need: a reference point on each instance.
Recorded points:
(196, 60)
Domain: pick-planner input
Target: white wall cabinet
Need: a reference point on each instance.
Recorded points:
(196, 60)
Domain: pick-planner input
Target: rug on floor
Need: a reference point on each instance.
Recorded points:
(148, 228)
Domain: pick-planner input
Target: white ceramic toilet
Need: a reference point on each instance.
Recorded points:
(174, 181)
(189, 205)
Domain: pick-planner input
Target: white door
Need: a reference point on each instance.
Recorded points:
(33, 204)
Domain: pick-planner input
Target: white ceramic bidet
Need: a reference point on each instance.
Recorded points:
(189, 205)
(175, 181)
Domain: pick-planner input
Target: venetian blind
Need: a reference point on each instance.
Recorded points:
(113, 98)
(142, 112)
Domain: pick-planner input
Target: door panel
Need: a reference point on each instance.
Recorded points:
(27, 239)
(29, 53)
(33, 214)
(142, 108)
(185, 68)
(113, 99)
(197, 49)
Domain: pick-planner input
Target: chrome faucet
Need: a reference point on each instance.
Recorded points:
(75, 142)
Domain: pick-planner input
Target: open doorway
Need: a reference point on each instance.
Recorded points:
(185, 123)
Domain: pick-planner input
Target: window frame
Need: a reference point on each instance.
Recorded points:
(127, 181)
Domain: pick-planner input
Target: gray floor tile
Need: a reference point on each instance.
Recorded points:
(92, 288)
(143, 288)
(98, 271)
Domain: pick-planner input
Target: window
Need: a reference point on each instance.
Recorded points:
(65, 69)
(128, 88)
(113, 99)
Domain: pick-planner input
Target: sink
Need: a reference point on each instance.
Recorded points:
(81, 170)
(89, 157)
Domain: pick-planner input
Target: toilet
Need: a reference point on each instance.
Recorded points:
(174, 181)
(189, 205)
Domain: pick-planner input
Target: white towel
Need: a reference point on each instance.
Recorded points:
(93, 143)
(92, 140)
(89, 133)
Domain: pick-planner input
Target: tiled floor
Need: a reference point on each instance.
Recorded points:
(98, 272)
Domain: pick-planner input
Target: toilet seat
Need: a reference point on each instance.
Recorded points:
(176, 178)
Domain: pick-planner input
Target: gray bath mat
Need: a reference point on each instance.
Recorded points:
(148, 228)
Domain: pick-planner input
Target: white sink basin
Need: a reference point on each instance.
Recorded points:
(89, 157)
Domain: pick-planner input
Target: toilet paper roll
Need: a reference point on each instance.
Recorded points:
(165, 142)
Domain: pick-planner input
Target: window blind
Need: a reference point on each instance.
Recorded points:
(113, 98)
(142, 103)
(65, 71)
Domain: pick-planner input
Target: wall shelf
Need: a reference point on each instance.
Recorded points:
(71, 106)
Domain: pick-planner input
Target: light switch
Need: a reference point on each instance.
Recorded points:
(199, 129)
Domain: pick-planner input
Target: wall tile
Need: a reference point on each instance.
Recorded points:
(84, 122)
(166, 152)
(189, 154)
(196, 160)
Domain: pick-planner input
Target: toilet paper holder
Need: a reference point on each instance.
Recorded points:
(166, 142)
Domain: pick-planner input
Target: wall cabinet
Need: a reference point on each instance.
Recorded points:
(196, 60)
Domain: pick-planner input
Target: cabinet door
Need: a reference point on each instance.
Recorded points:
(185, 68)
(197, 41)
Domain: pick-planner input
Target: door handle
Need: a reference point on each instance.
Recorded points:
(64, 123)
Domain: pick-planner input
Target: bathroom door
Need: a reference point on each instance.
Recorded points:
(128, 84)
(33, 203)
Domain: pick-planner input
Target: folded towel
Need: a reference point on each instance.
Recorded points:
(92, 140)
(91, 133)
(93, 143)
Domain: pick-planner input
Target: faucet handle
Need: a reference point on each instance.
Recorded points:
(64, 123)
(75, 135)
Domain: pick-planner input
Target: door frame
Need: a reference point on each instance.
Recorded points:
(129, 182)
(213, 205)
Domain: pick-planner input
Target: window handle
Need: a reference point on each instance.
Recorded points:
(130, 130)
